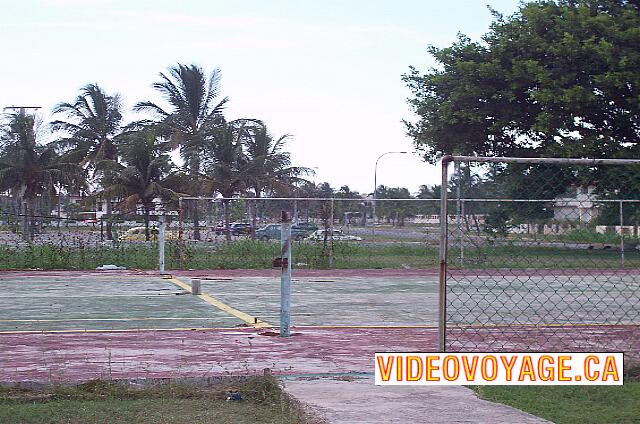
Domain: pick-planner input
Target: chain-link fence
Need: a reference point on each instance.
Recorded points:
(327, 233)
(540, 254)
(40, 241)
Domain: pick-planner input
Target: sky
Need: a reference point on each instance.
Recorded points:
(327, 72)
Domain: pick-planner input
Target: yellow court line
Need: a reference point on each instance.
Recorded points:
(115, 319)
(126, 330)
(367, 326)
(139, 330)
(553, 325)
(474, 326)
(248, 319)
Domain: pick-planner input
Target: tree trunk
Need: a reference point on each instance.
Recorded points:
(254, 212)
(26, 228)
(254, 219)
(146, 223)
(196, 222)
(109, 223)
(194, 170)
(227, 230)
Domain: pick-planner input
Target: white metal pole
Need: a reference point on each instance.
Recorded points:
(375, 181)
(285, 275)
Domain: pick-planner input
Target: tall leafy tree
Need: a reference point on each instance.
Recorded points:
(192, 113)
(30, 169)
(142, 177)
(90, 125)
(558, 78)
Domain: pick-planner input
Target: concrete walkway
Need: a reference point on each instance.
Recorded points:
(351, 401)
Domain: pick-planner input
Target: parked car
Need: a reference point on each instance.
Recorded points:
(337, 235)
(138, 234)
(235, 228)
(272, 232)
(306, 226)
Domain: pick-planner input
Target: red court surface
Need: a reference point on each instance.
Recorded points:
(131, 353)
(163, 354)
(57, 357)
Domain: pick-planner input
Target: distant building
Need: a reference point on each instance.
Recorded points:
(577, 204)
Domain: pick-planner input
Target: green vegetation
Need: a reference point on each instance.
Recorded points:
(108, 402)
(577, 236)
(246, 253)
(571, 404)
(542, 82)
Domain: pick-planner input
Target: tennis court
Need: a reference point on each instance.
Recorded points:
(80, 325)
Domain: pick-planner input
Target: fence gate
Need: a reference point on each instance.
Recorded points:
(540, 255)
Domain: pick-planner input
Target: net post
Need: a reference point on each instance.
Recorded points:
(442, 281)
(285, 275)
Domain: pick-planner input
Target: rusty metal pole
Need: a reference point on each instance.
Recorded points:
(285, 275)
(458, 180)
(442, 286)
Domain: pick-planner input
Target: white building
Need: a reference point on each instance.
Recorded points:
(577, 204)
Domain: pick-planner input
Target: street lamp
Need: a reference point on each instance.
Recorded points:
(375, 181)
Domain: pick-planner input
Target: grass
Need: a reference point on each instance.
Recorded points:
(109, 402)
(573, 404)
(577, 236)
(259, 255)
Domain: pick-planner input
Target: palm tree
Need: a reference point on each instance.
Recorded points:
(194, 112)
(143, 176)
(29, 169)
(224, 164)
(269, 166)
(92, 127)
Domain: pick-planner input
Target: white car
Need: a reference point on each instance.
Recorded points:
(337, 235)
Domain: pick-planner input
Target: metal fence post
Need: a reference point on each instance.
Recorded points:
(458, 180)
(285, 275)
(464, 220)
(161, 238)
(331, 236)
(621, 236)
(442, 286)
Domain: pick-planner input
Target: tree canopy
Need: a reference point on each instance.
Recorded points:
(557, 78)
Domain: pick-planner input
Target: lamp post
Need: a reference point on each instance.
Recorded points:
(375, 181)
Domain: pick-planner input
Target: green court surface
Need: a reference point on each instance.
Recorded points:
(343, 301)
(129, 301)
(102, 302)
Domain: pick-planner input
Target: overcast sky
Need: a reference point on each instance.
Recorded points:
(327, 72)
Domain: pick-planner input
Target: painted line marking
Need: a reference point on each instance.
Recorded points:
(248, 319)
(127, 330)
(115, 319)
(141, 330)
(61, 296)
(542, 325)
